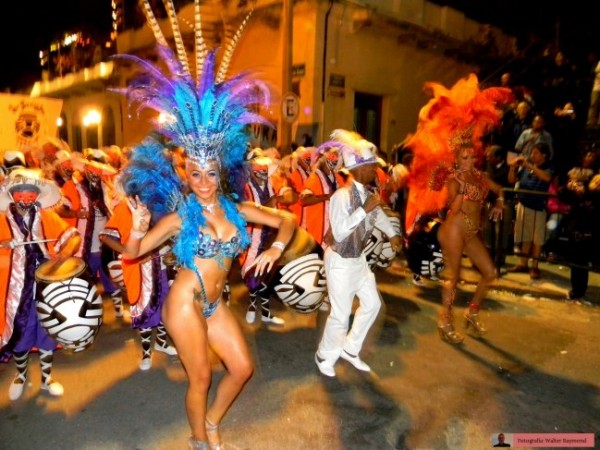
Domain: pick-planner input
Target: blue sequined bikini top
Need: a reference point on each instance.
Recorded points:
(218, 249)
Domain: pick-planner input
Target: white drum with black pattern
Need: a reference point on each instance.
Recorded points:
(68, 304)
(301, 283)
(387, 254)
(378, 250)
(115, 271)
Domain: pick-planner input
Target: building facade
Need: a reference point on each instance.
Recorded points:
(354, 65)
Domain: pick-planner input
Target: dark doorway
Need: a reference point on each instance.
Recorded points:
(367, 116)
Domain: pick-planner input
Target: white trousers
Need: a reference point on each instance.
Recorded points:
(347, 278)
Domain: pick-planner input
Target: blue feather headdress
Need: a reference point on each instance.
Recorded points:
(206, 116)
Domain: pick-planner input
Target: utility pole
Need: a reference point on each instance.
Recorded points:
(285, 127)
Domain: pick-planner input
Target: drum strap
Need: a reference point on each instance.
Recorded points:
(156, 281)
(331, 181)
(95, 199)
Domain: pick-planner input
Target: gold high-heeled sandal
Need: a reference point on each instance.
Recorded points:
(193, 444)
(212, 430)
(447, 332)
(472, 319)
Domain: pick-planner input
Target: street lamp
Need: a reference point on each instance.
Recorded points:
(92, 118)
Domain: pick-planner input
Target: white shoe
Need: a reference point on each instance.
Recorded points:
(168, 350)
(417, 281)
(325, 306)
(16, 389)
(324, 367)
(355, 361)
(270, 318)
(250, 316)
(54, 388)
(146, 364)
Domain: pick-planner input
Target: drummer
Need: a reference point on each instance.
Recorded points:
(146, 285)
(89, 202)
(30, 234)
(353, 214)
(260, 190)
(318, 189)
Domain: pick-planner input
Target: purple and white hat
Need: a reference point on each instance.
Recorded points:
(356, 151)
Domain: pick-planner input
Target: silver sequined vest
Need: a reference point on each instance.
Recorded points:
(353, 245)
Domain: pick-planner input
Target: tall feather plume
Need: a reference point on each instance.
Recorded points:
(454, 117)
(181, 53)
(224, 67)
(199, 44)
(207, 118)
(151, 19)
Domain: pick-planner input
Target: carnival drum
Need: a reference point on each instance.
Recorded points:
(299, 281)
(378, 249)
(422, 248)
(68, 305)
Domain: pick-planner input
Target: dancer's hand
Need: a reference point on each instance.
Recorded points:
(140, 214)
(458, 176)
(496, 213)
(372, 202)
(396, 243)
(265, 261)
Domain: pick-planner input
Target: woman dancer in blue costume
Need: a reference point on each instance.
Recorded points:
(207, 117)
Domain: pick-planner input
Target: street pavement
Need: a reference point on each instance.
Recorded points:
(536, 371)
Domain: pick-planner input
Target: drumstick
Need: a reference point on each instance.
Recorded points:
(15, 243)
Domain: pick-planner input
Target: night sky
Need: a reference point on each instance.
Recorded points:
(38, 23)
(574, 24)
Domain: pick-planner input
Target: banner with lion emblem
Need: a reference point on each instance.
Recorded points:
(25, 121)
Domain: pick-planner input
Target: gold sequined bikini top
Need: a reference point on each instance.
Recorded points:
(476, 192)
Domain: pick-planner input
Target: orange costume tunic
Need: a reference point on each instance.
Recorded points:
(145, 292)
(46, 225)
(317, 215)
(75, 198)
(298, 178)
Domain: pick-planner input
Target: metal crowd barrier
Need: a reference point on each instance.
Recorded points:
(561, 246)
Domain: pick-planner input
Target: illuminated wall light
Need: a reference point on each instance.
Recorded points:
(59, 122)
(92, 117)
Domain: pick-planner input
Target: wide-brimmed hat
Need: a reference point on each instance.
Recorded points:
(95, 154)
(256, 158)
(25, 180)
(84, 165)
(62, 156)
(356, 151)
(13, 159)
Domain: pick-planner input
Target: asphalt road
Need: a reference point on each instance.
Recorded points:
(536, 371)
